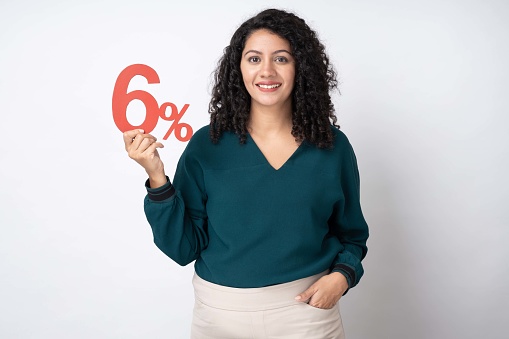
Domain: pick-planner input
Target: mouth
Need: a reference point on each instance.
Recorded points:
(272, 86)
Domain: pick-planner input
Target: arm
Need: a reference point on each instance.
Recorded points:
(179, 230)
(177, 213)
(348, 223)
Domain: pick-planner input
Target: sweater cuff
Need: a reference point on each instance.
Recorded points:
(161, 193)
(348, 272)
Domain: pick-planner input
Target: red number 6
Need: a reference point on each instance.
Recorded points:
(121, 98)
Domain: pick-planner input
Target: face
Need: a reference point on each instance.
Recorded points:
(268, 70)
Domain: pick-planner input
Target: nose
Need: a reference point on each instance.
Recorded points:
(267, 69)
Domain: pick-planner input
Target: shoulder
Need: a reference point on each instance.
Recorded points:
(202, 149)
(341, 141)
(342, 148)
(201, 135)
(197, 145)
(199, 140)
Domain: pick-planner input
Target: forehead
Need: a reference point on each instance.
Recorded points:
(264, 39)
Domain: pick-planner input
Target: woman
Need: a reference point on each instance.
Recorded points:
(265, 198)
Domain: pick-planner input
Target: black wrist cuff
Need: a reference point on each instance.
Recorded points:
(161, 193)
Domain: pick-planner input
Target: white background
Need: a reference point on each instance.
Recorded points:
(424, 101)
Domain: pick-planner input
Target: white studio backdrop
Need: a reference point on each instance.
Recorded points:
(424, 102)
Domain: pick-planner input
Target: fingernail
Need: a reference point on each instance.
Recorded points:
(141, 131)
(298, 297)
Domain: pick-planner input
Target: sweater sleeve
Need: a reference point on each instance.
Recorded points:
(177, 212)
(348, 223)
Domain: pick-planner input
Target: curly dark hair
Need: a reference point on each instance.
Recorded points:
(312, 108)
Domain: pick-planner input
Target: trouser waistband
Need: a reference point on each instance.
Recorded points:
(251, 299)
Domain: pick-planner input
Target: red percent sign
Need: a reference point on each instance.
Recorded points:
(122, 98)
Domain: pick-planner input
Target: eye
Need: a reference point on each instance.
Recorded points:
(281, 59)
(254, 59)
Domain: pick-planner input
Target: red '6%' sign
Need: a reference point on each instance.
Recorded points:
(122, 98)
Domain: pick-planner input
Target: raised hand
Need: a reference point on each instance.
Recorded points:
(142, 148)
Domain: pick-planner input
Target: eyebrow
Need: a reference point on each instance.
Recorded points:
(275, 52)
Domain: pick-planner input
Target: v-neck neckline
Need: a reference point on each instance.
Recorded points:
(267, 161)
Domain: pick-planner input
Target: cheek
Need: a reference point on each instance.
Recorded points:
(247, 77)
(243, 72)
(289, 74)
(245, 81)
(291, 79)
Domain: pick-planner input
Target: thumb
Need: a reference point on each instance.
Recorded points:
(307, 294)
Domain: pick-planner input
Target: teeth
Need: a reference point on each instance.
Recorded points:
(269, 86)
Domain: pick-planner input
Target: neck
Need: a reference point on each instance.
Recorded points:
(269, 121)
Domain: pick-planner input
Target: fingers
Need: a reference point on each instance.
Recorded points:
(136, 141)
(142, 148)
(307, 294)
(134, 137)
(150, 150)
(139, 139)
(324, 293)
(142, 142)
(129, 136)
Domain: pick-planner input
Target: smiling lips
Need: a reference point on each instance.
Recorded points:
(268, 87)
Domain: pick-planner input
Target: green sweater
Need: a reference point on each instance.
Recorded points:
(249, 225)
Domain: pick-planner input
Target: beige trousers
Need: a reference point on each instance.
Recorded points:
(268, 312)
